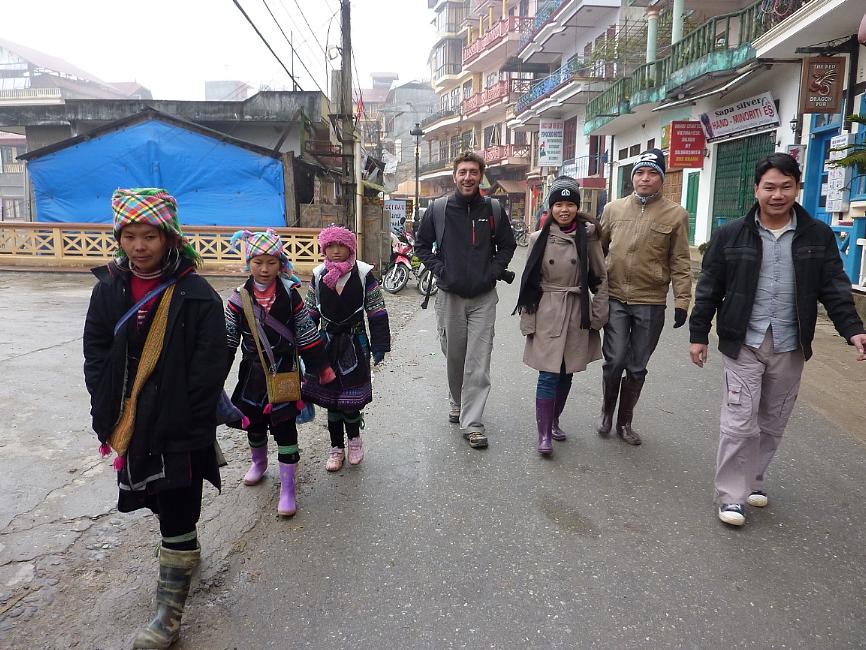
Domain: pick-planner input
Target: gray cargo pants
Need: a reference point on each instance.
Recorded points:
(465, 328)
(758, 397)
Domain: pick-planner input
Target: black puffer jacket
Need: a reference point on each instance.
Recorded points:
(729, 282)
(471, 259)
(177, 405)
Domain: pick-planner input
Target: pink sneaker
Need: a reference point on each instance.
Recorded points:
(356, 451)
(335, 459)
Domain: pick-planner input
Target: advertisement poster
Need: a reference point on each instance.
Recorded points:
(755, 112)
(687, 144)
(838, 178)
(396, 210)
(550, 142)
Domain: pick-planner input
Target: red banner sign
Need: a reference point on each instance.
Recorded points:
(687, 145)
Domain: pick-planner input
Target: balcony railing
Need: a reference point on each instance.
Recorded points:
(439, 115)
(499, 152)
(542, 15)
(574, 68)
(584, 166)
(441, 164)
(494, 36)
(13, 168)
(727, 38)
(37, 94)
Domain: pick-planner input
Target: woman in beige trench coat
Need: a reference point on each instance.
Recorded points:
(560, 322)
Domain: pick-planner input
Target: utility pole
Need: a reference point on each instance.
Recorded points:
(347, 130)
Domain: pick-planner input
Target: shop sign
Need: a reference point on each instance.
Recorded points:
(821, 84)
(550, 142)
(396, 209)
(746, 115)
(797, 152)
(838, 178)
(687, 144)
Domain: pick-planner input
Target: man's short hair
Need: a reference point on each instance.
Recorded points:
(469, 156)
(781, 161)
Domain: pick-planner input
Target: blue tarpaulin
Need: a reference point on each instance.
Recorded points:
(216, 183)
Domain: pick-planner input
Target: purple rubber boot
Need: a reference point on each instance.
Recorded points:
(561, 398)
(287, 506)
(544, 410)
(260, 464)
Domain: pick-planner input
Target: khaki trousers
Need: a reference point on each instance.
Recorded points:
(759, 394)
(466, 335)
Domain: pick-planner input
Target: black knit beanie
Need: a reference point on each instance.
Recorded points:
(564, 188)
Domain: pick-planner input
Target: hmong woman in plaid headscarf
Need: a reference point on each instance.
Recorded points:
(285, 330)
(154, 360)
(341, 291)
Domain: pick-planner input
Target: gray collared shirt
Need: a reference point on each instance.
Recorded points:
(775, 300)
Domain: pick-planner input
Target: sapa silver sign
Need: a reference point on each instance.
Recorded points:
(746, 115)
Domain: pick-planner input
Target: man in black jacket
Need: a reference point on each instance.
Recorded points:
(764, 274)
(475, 250)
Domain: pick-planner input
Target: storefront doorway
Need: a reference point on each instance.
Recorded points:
(815, 189)
(734, 190)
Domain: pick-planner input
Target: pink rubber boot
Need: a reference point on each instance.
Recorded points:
(287, 506)
(260, 464)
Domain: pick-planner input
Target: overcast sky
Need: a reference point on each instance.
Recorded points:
(173, 46)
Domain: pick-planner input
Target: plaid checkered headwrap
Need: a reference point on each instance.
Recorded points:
(153, 206)
(262, 243)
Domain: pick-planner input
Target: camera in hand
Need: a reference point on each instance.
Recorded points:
(507, 276)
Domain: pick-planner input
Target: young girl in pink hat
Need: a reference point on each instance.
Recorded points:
(288, 331)
(341, 291)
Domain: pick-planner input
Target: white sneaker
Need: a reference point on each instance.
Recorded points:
(732, 513)
(758, 499)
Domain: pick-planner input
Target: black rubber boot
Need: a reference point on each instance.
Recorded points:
(629, 395)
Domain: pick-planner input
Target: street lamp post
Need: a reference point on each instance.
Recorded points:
(417, 133)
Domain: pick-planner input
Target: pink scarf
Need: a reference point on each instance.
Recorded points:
(336, 270)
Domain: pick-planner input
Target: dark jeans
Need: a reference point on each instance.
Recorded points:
(630, 337)
(550, 382)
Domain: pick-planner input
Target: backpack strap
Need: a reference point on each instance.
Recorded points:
(494, 217)
(437, 213)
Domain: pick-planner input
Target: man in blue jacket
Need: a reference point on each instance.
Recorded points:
(474, 245)
(762, 277)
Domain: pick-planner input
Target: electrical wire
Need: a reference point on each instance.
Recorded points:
(308, 26)
(294, 51)
(268, 45)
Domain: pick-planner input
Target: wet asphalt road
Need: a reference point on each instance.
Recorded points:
(430, 544)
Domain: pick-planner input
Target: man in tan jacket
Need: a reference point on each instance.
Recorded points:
(646, 238)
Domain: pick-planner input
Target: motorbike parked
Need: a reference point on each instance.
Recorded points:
(405, 263)
(521, 237)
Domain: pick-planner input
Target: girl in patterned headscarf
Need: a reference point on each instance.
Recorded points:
(154, 357)
(288, 330)
(341, 291)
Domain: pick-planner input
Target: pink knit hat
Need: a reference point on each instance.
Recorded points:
(337, 235)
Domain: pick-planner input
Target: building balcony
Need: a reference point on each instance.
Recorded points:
(499, 93)
(575, 70)
(718, 49)
(588, 170)
(486, 53)
(435, 168)
(13, 168)
(506, 154)
(440, 120)
(552, 19)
